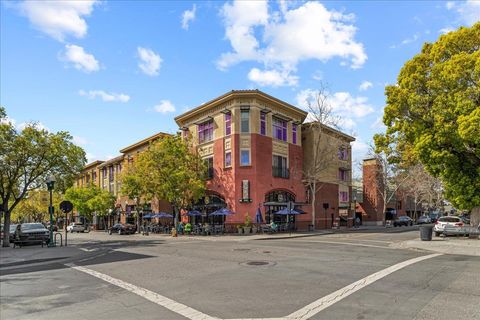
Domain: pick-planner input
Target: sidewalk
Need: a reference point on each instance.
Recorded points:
(449, 245)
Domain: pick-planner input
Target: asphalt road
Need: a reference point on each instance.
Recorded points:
(135, 277)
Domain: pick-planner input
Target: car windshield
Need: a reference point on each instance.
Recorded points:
(449, 219)
(403, 218)
(31, 226)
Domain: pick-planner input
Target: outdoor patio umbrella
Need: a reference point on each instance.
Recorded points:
(194, 213)
(222, 212)
(162, 215)
(147, 216)
(286, 211)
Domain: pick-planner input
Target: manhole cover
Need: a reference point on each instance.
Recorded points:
(258, 263)
(266, 252)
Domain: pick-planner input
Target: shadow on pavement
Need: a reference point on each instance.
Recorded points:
(99, 253)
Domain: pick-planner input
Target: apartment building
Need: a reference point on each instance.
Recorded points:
(107, 175)
(253, 144)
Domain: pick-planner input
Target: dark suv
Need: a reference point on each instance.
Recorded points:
(403, 221)
(122, 228)
(31, 233)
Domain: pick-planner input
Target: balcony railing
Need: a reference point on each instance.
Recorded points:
(280, 172)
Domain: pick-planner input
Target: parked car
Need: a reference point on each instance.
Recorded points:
(434, 217)
(424, 219)
(76, 227)
(12, 231)
(465, 219)
(403, 221)
(122, 228)
(449, 221)
(55, 227)
(30, 233)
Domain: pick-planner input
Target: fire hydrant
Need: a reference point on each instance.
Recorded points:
(174, 232)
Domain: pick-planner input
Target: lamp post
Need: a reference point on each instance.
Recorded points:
(50, 185)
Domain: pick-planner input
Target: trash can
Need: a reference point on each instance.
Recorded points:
(426, 232)
(310, 227)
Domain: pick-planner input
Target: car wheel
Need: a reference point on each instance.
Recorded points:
(437, 234)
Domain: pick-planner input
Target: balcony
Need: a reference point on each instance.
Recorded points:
(280, 172)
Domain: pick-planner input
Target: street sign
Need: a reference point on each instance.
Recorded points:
(66, 206)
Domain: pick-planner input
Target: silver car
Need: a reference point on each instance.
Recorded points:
(449, 222)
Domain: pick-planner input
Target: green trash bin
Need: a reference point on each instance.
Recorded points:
(426, 232)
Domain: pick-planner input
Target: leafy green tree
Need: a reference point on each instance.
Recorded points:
(133, 188)
(80, 198)
(101, 203)
(170, 170)
(28, 157)
(88, 201)
(433, 115)
(34, 206)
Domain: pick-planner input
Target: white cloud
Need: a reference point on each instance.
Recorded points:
(469, 11)
(347, 107)
(317, 75)
(406, 41)
(8, 120)
(274, 78)
(37, 124)
(378, 124)
(188, 16)
(149, 61)
(165, 106)
(80, 59)
(58, 18)
(365, 85)
(79, 140)
(446, 30)
(90, 157)
(289, 36)
(449, 5)
(105, 96)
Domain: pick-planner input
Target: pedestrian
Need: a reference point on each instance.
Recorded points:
(357, 222)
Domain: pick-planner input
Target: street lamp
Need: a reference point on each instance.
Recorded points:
(50, 185)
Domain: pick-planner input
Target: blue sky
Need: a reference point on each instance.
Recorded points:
(114, 72)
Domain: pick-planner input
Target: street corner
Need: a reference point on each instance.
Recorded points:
(448, 245)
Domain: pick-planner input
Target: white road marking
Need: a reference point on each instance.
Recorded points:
(325, 302)
(303, 313)
(87, 250)
(154, 297)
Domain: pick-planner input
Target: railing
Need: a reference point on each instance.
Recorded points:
(281, 172)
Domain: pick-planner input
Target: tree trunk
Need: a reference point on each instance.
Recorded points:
(313, 206)
(475, 217)
(6, 226)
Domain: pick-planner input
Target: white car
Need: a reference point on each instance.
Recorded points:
(75, 227)
(450, 222)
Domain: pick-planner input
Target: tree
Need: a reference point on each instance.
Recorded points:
(169, 169)
(132, 187)
(80, 198)
(88, 201)
(101, 203)
(34, 206)
(28, 157)
(387, 177)
(323, 154)
(433, 114)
